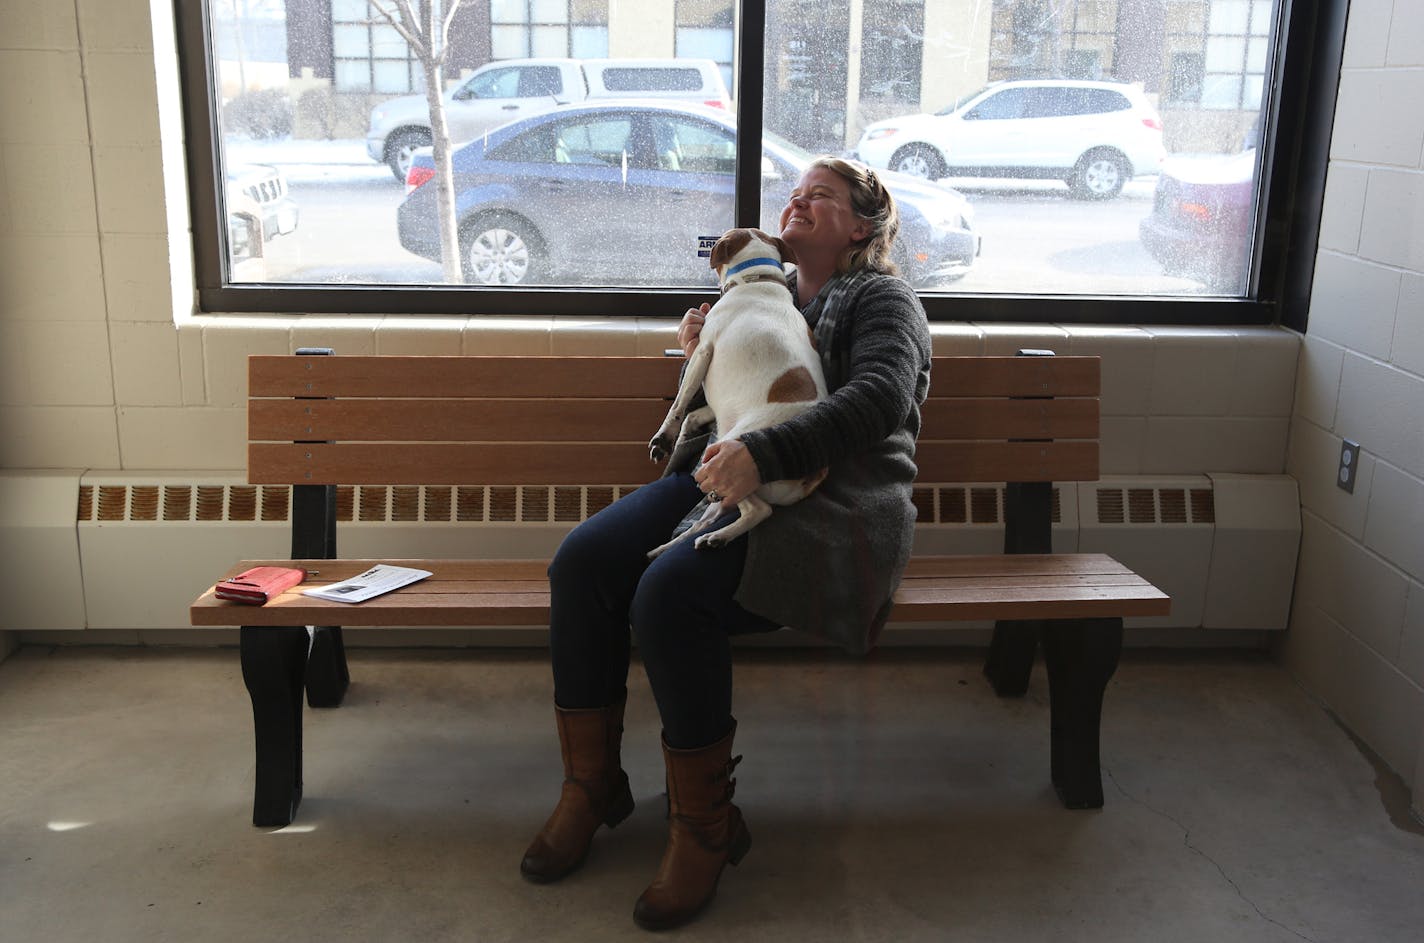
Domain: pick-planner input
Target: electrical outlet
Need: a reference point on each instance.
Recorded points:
(1349, 465)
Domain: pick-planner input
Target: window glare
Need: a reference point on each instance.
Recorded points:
(1103, 156)
(1230, 16)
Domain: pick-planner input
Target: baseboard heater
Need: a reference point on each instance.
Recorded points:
(129, 550)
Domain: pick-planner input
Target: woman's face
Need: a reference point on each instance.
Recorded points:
(818, 219)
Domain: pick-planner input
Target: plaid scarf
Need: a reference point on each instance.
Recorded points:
(825, 313)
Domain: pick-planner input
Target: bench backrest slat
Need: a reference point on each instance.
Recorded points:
(442, 463)
(402, 376)
(974, 418)
(454, 420)
(940, 461)
(395, 420)
(1014, 376)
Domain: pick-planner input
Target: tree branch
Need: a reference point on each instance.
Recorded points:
(445, 27)
(403, 25)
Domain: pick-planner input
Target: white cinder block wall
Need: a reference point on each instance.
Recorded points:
(1357, 630)
(94, 374)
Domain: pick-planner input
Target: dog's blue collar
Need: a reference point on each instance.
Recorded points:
(749, 263)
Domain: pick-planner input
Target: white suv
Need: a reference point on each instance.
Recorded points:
(1094, 136)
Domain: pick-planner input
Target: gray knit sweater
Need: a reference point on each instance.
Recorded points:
(829, 564)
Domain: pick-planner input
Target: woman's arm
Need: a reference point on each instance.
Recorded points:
(889, 347)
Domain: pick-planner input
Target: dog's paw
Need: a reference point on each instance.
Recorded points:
(660, 447)
(710, 542)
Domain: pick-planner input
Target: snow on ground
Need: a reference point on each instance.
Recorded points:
(304, 161)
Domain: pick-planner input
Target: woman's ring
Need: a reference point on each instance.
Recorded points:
(712, 496)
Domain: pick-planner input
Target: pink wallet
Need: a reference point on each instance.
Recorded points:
(259, 584)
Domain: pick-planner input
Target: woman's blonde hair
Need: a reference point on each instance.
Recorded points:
(873, 203)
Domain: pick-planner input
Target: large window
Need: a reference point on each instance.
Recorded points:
(520, 28)
(1238, 53)
(1053, 159)
(369, 54)
(706, 30)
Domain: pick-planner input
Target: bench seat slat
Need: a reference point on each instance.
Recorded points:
(513, 593)
(1027, 602)
(1060, 564)
(334, 571)
(1032, 581)
(425, 376)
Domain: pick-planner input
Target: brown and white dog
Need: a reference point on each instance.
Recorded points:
(757, 365)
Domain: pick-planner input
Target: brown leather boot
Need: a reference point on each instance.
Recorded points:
(595, 791)
(705, 833)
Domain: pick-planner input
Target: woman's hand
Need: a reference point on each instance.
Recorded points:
(691, 327)
(728, 471)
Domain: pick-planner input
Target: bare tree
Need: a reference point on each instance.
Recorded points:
(417, 25)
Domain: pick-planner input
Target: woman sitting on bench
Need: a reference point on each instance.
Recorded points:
(827, 565)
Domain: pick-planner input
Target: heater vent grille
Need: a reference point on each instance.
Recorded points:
(537, 504)
(952, 504)
(1165, 505)
(377, 504)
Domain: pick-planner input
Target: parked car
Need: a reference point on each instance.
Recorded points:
(1203, 218)
(1094, 136)
(510, 89)
(621, 193)
(259, 209)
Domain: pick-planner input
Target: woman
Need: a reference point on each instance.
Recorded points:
(827, 565)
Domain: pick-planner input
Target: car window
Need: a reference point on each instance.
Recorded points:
(497, 83)
(962, 101)
(1046, 102)
(602, 141)
(535, 146)
(692, 146)
(1102, 100)
(1009, 103)
(652, 80)
(539, 81)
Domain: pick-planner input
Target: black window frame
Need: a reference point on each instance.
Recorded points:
(1295, 156)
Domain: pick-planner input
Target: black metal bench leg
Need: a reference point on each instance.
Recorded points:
(274, 663)
(1010, 659)
(327, 675)
(1081, 656)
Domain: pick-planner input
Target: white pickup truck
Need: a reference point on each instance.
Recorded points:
(510, 89)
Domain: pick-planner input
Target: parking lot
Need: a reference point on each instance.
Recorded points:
(1035, 238)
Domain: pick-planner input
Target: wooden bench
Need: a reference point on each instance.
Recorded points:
(317, 422)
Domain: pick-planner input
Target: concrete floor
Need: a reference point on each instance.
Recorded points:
(893, 798)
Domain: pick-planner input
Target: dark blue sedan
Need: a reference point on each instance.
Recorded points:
(619, 194)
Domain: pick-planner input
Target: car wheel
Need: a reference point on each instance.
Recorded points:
(918, 160)
(401, 147)
(501, 250)
(1099, 175)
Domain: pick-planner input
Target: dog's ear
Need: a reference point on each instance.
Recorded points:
(788, 254)
(779, 244)
(732, 242)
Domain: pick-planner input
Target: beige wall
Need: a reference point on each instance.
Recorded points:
(638, 28)
(1357, 630)
(956, 56)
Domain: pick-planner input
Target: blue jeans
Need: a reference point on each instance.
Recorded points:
(679, 607)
